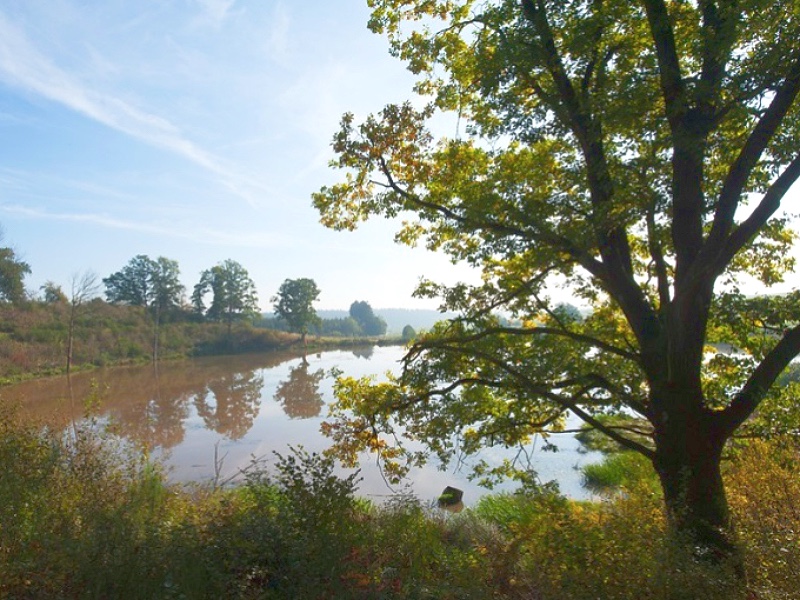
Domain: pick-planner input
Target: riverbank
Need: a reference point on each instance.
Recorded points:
(35, 339)
(79, 519)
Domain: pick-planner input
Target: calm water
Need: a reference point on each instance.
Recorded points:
(237, 408)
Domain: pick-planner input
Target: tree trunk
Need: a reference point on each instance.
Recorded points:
(70, 338)
(687, 459)
(156, 323)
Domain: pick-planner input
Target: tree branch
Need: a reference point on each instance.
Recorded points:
(611, 238)
(756, 387)
(579, 255)
(570, 403)
(605, 384)
(612, 433)
(585, 339)
(752, 151)
(718, 40)
(657, 254)
(672, 85)
(769, 204)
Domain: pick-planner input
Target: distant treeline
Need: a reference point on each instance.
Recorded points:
(336, 322)
(36, 336)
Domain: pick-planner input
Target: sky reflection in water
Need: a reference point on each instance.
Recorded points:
(195, 413)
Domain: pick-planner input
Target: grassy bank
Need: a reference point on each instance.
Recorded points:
(81, 519)
(34, 338)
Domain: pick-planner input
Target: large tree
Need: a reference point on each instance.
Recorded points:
(294, 303)
(233, 293)
(152, 284)
(638, 153)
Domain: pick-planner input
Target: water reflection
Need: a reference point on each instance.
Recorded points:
(229, 404)
(364, 352)
(299, 394)
(245, 406)
(152, 405)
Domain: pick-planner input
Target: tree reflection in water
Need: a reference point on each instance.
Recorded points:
(229, 405)
(299, 395)
(167, 410)
(364, 352)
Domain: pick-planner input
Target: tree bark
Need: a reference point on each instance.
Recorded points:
(689, 444)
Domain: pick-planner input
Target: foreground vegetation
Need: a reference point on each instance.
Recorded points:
(81, 517)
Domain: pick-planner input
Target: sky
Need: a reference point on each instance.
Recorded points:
(196, 130)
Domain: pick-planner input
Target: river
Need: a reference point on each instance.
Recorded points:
(208, 418)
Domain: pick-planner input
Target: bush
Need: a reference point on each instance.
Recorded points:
(764, 492)
(82, 516)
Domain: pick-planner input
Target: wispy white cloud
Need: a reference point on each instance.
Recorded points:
(204, 235)
(277, 44)
(216, 10)
(23, 66)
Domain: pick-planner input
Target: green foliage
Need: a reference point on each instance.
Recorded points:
(370, 323)
(12, 273)
(80, 517)
(146, 282)
(294, 303)
(233, 293)
(344, 327)
(609, 148)
(52, 293)
(33, 337)
(593, 439)
(408, 333)
(83, 517)
(613, 550)
(618, 472)
(765, 499)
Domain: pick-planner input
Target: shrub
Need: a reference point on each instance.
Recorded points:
(764, 493)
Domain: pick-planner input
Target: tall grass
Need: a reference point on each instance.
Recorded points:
(83, 517)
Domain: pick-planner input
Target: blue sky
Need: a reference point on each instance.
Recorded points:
(195, 130)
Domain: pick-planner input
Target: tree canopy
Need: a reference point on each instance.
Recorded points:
(294, 303)
(233, 293)
(53, 293)
(636, 153)
(152, 284)
(371, 324)
(12, 274)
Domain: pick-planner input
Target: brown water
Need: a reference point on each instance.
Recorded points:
(209, 417)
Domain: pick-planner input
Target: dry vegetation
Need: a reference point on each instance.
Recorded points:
(34, 337)
(79, 518)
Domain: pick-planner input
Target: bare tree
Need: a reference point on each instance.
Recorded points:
(83, 287)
